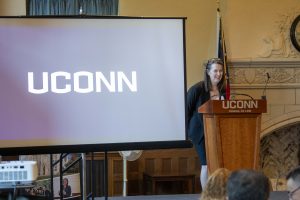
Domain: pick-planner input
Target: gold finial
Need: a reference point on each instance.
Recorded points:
(218, 5)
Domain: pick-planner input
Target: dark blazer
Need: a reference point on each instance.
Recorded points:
(196, 96)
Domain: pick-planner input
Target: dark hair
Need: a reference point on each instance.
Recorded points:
(293, 174)
(248, 185)
(207, 81)
(66, 179)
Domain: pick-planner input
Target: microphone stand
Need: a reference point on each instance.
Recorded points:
(264, 97)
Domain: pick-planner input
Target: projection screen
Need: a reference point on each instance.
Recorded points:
(88, 84)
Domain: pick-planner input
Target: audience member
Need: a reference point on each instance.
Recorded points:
(293, 184)
(216, 185)
(248, 185)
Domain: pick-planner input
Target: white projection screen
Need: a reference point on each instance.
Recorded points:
(82, 84)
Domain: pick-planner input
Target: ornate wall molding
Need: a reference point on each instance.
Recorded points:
(278, 44)
(253, 74)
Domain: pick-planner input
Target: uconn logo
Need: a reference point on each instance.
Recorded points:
(239, 104)
(61, 82)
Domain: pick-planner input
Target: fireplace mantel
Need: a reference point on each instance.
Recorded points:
(282, 90)
(250, 74)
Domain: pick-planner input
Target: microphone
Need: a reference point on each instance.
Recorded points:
(264, 91)
(233, 95)
(241, 94)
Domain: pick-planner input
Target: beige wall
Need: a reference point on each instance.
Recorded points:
(253, 29)
(200, 26)
(12, 7)
(247, 23)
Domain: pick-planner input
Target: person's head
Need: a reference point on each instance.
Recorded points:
(216, 185)
(248, 185)
(214, 74)
(65, 182)
(293, 183)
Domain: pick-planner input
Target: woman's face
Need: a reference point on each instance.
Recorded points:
(65, 182)
(215, 73)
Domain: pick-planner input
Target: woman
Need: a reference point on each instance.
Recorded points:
(210, 88)
(216, 185)
(67, 191)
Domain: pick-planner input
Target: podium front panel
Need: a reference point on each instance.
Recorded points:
(238, 142)
(232, 129)
(232, 141)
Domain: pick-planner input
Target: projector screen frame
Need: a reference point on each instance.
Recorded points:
(88, 148)
(85, 148)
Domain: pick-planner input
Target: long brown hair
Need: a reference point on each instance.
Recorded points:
(207, 81)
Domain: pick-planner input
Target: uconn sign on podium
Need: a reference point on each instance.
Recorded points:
(234, 106)
(240, 104)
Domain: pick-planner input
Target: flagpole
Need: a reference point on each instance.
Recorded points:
(221, 52)
(218, 31)
(218, 28)
(226, 67)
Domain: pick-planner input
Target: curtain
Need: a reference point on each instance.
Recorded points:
(72, 7)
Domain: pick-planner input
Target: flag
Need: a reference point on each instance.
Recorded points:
(221, 48)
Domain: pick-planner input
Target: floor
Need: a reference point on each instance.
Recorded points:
(273, 196)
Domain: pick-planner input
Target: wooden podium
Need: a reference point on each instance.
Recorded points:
(232, 133)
